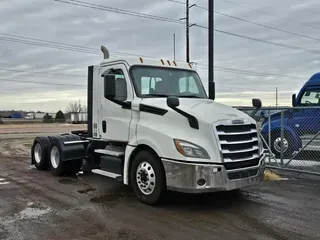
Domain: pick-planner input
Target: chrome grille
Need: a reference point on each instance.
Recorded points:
(239, 145)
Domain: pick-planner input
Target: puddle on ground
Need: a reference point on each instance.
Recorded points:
(67, 181)
(108, 198)
(90, 189)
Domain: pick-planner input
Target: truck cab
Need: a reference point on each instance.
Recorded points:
(151, 125)
(300, 123)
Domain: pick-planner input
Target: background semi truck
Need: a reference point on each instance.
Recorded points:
(300, 124)
(151, 125)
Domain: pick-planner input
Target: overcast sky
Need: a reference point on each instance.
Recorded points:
(49, 20)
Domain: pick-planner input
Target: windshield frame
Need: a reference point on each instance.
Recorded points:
(140, 95)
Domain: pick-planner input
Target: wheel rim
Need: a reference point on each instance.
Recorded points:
(37, 153)
(146, 178)
(55, 157)
(277, 144)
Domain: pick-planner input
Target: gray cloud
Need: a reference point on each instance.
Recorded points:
(54, 21)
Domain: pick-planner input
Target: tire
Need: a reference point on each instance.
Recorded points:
(147, 164)
(39, 153)
(276, 145)
(73, 167)
(57, 166)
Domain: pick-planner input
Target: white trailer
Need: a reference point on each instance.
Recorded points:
(35, 115)
(152, 126)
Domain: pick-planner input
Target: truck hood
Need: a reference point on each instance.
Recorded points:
(205, 109)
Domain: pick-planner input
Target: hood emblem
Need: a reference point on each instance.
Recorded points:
(237, 122)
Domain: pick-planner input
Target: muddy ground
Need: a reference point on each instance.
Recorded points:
(36, 205)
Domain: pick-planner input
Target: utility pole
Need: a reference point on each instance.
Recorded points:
(174, 46)
(188, 26)
(187, 30)
(211, 49)
(276, 97)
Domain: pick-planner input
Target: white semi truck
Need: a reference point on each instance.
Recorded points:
(151, 125)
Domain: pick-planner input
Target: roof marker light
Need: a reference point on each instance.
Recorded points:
(141, 60)
(190, 65)
(169, 62)
(162, 62)
(174, 63)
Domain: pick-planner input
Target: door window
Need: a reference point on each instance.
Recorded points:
(121, 84)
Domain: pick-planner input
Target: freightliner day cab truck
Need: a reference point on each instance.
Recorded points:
(152, 126)
(300, 125)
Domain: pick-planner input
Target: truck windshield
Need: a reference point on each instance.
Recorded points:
(163, 82)
(311, 98)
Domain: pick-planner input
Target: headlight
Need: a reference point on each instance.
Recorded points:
(188, 149)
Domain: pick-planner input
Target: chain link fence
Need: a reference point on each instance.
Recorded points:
(291, 137)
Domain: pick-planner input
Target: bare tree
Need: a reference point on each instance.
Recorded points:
(74, 107)
(84, 109)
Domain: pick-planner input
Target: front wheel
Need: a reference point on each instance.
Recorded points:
(287, 145)
(147, 177)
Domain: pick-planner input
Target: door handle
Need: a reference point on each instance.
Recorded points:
(104, 126)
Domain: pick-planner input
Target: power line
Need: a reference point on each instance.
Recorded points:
(57, 45)
(101, 7)
(248, 72)
(44, 83)
(46, 73)
(257, 24)
(39, 44)
(116, 10)
(265, 41)
(269, 14)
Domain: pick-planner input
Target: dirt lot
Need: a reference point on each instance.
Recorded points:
(36, 205)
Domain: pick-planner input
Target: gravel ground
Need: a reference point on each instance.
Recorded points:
(36, 205)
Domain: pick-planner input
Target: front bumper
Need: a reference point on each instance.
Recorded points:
(190, 177)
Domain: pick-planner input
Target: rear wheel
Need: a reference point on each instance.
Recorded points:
(57, 166)
(39, 153)
(147, 177)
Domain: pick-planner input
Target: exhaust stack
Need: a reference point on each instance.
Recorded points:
(105, 52)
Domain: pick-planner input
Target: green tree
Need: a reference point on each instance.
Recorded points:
(47, 118)
(60, 118)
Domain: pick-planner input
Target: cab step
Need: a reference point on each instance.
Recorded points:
(111, 151)
(107, 174)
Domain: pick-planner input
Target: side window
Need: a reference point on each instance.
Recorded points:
(121, 84)
(188, 84)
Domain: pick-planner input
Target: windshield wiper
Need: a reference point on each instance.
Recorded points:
(189, 96)
(157, 95)
(165, 95)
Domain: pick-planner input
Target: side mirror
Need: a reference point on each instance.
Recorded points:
(109, 86)
(212, 90)
(173, 102)
(257, 104)
(294, 100)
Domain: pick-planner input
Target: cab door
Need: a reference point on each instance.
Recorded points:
(115, 116)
